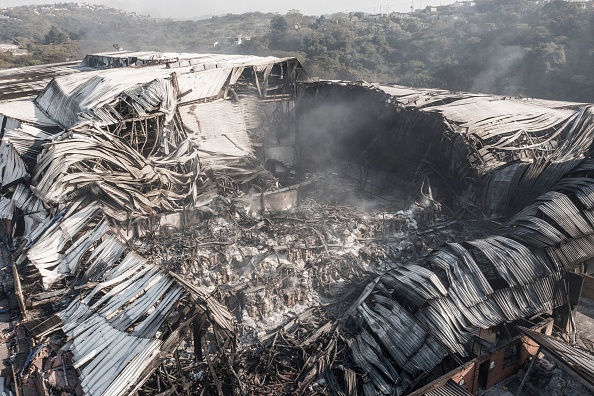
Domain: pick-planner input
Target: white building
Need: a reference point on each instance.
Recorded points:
(8, 47)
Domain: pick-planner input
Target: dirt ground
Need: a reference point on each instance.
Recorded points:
(585, 323)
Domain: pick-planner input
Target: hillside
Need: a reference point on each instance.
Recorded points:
(509, 47)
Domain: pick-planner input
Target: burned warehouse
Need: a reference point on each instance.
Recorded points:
(179, 224)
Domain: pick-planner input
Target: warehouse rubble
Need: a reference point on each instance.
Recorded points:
(225, 224)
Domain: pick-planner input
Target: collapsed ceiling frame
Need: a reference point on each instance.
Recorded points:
(138, 144)
(133, 153)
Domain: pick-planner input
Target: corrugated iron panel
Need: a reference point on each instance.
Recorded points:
(83, 163)
(64, 98)
(108, 361)
(79, 97)
(28, 81)
(219, 128)
(202, 84)
(112, 330)
(6, 208)
(12, 166)
(49, 254)
(28, 203)
(113, 338)
(28, 141)
(450, 388)
(579, 360)
(25, 110)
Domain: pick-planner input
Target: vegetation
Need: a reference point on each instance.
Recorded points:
(510, 47)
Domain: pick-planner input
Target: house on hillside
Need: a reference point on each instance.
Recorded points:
(8, 47)
(400, 15)
(583, 4)
(373, 17)
(463, 6)
(240, 39)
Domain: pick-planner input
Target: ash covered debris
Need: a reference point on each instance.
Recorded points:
(100, 157)
(209, 224)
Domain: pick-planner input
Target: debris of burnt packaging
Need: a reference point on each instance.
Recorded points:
(223, 224)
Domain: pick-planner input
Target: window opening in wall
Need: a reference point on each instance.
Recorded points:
(511, 354)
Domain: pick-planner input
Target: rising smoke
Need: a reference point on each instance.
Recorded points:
(498, 78)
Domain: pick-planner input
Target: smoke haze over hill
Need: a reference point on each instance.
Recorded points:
(506, 47)
(185, 9)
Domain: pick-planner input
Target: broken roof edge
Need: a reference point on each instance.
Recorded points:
(575, 361)
(25, 111)
(39, 67)
(142, 59)
(443, 380)
(94, 95)
(160, 288)
(424, 99)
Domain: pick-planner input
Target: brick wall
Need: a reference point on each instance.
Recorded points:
(528, 348)
(468, 375)
(499, 372)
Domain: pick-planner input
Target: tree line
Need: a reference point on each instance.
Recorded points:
(507, 47)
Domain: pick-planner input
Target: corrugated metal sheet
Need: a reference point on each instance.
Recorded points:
(64, 98)
(6, 208)
(446, 317)
(450, 388)
(48, 250)
(209, 61)
(12, 166)
(495, 131)
(171, 59)
(140, 185)
(92, 95)
(29, 203)
(28, 141)
(255, 112)
(219, 128)
(115, 59)
(156, 95)
(29, 81)
(430, 97)
(516, 185)
(109, 362)
(26, 111)
(127, 294)
(202, 84)
(581, 362)
(112, 330)
(458, 289)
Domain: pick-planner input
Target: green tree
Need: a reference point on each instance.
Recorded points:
(279, 25)
(55, 36)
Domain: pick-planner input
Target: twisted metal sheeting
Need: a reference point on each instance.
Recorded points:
(419, 312)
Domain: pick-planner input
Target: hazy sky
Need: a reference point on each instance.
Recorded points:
(195, 8)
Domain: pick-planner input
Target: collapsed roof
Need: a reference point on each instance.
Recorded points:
(126, 140)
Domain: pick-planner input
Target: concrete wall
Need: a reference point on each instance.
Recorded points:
(588, 287)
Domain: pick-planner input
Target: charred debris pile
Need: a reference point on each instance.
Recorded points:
(208, 224)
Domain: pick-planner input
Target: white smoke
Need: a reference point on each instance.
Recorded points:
(496, 77)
